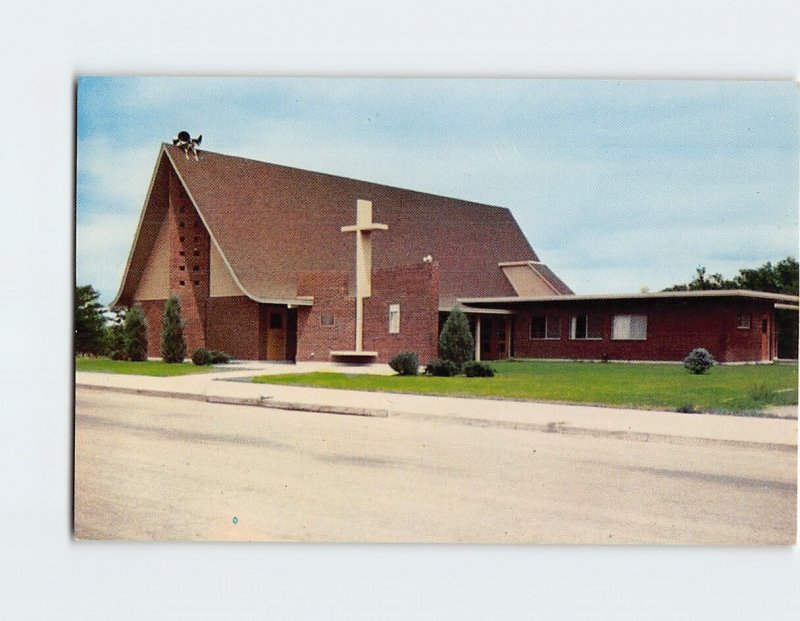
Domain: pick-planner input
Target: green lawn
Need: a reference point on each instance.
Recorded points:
(745, 388)
(147, 367)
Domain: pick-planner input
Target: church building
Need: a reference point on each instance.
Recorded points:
(277, 263)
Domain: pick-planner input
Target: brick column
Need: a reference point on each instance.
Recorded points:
(188, 263)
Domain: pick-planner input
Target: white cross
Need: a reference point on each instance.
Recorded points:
(363, 229)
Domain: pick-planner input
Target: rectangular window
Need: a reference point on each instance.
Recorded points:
(585, 327)
(629, 328)
(545, 327)
(327, 321)
(743, 322)
(394, 319)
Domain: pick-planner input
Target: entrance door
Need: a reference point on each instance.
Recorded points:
(765, 340)
(276, 333)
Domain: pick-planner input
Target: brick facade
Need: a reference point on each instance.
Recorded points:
(234, 326)
(188, 263)
(414, 287)
(674, 328)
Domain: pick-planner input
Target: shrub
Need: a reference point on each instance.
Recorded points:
(201, 357)
(118, 354)
(405, 363)
(219, 357)
(687, 408)
(455, 340)
(135, 334)
(173, 347)
(441, 368)
(699, 361)
(474, 368)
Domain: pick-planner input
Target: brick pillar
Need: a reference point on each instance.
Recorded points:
(188, 263)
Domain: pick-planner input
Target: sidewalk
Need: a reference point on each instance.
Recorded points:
(642, 425)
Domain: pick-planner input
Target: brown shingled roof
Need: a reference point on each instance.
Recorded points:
(271, 221)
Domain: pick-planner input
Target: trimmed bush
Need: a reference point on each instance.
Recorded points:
(201, 357)
(455, 340)
(405, 363)
(135, 331)
(474, 368)
(219, 357)
(173, 347)
(699, 361)
(441, 368)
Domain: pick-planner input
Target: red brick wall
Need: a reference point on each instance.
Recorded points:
(674, 328)
(188, 264)
(234, 327)
(154, 313)
(415, 288)
(330, 291)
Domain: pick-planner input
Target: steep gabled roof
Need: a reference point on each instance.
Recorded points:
(270, 221)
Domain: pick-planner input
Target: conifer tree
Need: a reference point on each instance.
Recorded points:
(135, 333)
(173, 347)
(455, 341)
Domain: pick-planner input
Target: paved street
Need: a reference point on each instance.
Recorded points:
(167, 469)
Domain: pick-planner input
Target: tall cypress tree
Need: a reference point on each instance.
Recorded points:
(135, 333)
(173, 347)
(455, 341)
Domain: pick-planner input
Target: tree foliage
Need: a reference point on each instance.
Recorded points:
(89, 321)
(455, 340)
(779, 278)
(173, 346)
(135, 333)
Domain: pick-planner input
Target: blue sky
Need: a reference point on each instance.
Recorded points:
(618, 185)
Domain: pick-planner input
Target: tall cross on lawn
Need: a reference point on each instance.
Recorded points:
(363, 229)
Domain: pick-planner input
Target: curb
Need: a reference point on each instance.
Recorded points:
(265, 402)
(551, 427)
(637, 436)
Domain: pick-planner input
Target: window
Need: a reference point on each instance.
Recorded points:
(743, 322)
(181, 224)
(545, 327)
(196, 253)
(182, 268)
(196, 268)
(182, 253)
(182, 238)
(196, 283)
(275, 321)
(585, 327)
(394, 318)
(183, 282)
(629, 328)
(327, 321)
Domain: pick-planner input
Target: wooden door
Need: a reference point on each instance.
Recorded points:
(276, 333)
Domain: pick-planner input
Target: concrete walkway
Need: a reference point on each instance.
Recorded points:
(642, 425)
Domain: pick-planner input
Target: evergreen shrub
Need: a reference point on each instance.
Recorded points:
(699, 361)
(474, 368)
(405, 363)
(441, 368)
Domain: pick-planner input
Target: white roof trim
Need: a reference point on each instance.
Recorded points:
(716, 293)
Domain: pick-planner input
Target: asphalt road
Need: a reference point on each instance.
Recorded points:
(167, 469)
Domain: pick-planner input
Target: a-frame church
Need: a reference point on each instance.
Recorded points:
(276, 263)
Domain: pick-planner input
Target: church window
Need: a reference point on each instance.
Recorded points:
(585, 327)
(743, 322)
(629, 328)
(545, 327)
(394, 319)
